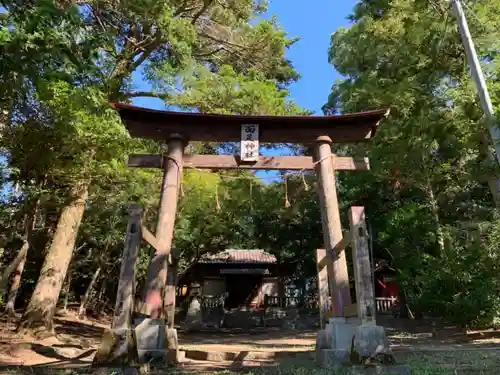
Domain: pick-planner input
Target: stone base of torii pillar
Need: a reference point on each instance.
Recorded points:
(357, 345)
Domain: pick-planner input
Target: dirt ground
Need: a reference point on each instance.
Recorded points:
(77, 340)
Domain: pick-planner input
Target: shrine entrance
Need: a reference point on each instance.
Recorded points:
(239, 289)
(177, 130)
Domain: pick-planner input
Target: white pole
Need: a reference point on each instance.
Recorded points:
(482, 89)
(477, 76)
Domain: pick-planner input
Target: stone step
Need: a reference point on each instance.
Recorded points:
(239, 356)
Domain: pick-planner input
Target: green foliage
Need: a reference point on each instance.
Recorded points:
(213, 215)
(228, 92)
(428, 192)
(461, 282)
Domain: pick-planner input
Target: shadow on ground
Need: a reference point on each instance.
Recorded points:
(427, 344)
(258, 337)
(79, 329)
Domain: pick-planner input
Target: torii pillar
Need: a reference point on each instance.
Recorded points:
(156, 279)
(156, 334)
(332, 230)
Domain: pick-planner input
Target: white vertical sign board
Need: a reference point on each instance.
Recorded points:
(249, 142)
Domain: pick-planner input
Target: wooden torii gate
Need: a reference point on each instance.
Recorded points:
(177, 129)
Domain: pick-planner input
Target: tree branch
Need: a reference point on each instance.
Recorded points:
(148, 50)
(206, 5)
(148, 94)
(210, 53)
(215, 39)
(4, 278)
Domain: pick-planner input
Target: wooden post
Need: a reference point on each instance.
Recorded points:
(332, 230)
(365, 292)
(157, 271)
(124, 304)
(323, 263)
(119, 344)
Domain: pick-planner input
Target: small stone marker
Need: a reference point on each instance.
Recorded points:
(370, 341)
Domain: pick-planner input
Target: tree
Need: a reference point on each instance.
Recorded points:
(428, 190)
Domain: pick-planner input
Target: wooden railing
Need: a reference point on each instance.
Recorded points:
(385, 305)
(274, 301)
(271, 301)
(211, 302)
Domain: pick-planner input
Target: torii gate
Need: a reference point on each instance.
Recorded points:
(177, 129)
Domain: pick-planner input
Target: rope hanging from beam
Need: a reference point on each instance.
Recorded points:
(181, 186)
(285, 177)
(287, 202)
(306, 186)
(299, 172)
(217, 202)
(251, 197)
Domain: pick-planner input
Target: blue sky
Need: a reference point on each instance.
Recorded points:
(313, 21)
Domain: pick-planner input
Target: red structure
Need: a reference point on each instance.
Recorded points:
(386, 287)
(389, 288)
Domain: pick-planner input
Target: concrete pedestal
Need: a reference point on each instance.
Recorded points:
(156, 341)
(341, 331)
(334, 343)
(150, 335)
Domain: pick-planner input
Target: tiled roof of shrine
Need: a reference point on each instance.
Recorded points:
(239, 257)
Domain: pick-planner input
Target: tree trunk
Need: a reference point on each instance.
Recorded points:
(88, 292)
(30, 221)
(41, 309)
(16, 281)
(66, 290)
(13, 265)
(435, 212)
(100, 298)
